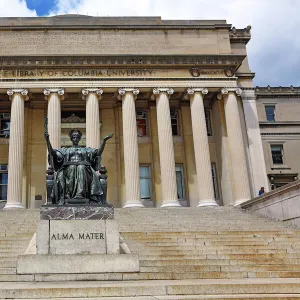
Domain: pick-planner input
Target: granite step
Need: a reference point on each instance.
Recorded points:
(197, 297)
(90, 289)
(215, 268)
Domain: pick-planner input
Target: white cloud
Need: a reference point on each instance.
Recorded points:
(15, 8)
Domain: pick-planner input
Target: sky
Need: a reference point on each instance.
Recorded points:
(273, 52)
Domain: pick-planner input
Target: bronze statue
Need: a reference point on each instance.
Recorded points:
(77, 172)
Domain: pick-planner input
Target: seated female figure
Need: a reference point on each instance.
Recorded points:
(75, 178)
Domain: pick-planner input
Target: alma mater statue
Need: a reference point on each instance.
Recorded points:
(76, 178)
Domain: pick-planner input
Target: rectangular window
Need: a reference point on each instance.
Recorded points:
(214, 177)
(3, 182)
(145, 182)
(277, 154)
(270, 113)
(4, 125)
(180, 182)
(142, 123)
(175, 122)
(208, 122)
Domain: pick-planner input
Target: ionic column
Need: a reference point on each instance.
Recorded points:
(241, 189)
(201, 148)
(131, 151)
(16, 148)
(166, 148)
(54, 97)
(92, 97)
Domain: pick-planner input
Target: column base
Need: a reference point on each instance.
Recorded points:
(207, 203)
(171, 204)
(133, 205)
(14, 206)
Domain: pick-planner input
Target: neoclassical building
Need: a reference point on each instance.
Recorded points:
(177, 95)
(278, 113)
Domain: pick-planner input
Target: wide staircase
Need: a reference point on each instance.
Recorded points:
(185, 253)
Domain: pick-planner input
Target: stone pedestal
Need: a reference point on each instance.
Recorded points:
(77, 230)
(77, 239)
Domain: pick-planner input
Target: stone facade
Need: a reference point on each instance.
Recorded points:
(278, 111)
(100, 75)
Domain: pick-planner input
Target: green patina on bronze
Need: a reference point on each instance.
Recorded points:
(76, 172)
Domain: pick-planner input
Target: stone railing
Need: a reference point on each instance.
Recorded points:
(282, 204)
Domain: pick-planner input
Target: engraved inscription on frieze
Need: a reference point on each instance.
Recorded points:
(40, 73)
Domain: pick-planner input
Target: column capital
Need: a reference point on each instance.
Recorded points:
(192, 91)
(59, 91)
(86, 91)
(123, 91)
(21, 91)
(158, 90)
(225, 91)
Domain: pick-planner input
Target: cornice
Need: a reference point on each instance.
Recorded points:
(83, 22)
(141, 61)
(249, 75)
(240, 36)
(279, 133)
(269, 91)
(279, 123)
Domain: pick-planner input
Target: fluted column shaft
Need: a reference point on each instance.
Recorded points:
(201, 148)
(16, 148)
(166, 148)
(54, 97)
(131, 151)
(241, 189)
(92, 97)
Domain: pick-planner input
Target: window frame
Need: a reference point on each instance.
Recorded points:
(273, 155)
(150, 182)
(4, 172)
(182, 181)
(207, 113)
(174, 115)
(214, 175)
(274, 112)
(5, 116)
(146, 118)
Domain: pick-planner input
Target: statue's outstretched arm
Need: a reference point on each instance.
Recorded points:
(102, 146)
(49, 146)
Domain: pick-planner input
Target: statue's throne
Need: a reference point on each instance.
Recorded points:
(100, 171)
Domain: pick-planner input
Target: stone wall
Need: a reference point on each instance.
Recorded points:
(282, 204)
(112, 42)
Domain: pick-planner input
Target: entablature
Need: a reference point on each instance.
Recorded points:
(122, 61)
(277, 92)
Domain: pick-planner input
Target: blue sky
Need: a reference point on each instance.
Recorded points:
(42, 7)
(273, 52)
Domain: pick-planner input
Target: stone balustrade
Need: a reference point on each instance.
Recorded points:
(281, 204)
